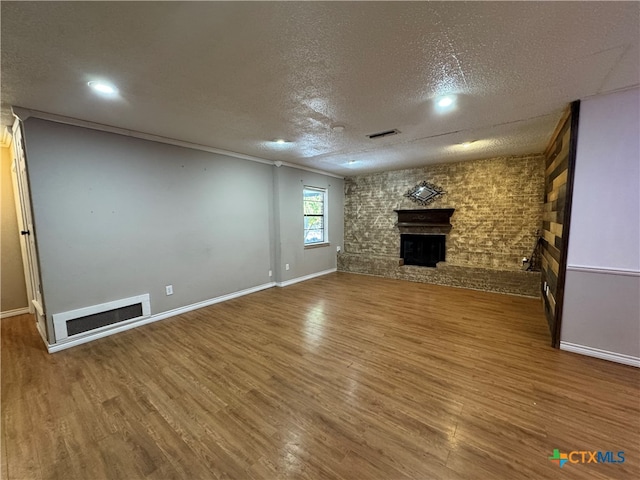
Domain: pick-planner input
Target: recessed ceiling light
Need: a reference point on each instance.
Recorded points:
(102, 87)
(337, 127)
(466, 144)
(280, 141)
(444, 102)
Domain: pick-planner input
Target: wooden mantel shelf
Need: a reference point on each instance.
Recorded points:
(415, 224)
(425, 217)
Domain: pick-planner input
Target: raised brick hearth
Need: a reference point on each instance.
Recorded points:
(515, 282)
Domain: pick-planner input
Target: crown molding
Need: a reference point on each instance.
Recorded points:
(25, 113)
(307, 169)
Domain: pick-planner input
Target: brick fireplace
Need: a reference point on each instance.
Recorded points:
(423, 236)
(498, 204)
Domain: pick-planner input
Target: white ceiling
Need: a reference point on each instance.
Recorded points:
(235, 75)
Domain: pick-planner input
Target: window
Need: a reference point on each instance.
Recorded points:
(315, 216)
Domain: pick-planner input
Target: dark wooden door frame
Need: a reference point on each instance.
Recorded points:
(562, 270)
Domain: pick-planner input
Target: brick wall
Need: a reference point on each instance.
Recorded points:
(498, 205)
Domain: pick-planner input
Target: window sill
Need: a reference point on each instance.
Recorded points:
(317, 245)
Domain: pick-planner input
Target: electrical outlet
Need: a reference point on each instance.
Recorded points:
(286, 266)
(270, 273)
(169, 289)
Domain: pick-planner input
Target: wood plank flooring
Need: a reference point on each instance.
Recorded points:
(340, 377)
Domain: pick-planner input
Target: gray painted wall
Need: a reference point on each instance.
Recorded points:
(602, 311)
(117, 216)
(289, 183)
(601, 302)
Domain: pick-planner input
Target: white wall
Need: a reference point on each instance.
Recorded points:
(601, 303)
(606, 203)
(117, 216)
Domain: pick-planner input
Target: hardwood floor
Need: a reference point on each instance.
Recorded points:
(343, 376)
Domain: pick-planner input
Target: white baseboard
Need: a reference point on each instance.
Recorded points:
(206, 303)
(15, 312)
(603, 354)
(72, 342)
(286, 283)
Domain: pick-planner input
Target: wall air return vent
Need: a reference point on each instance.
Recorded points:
(100, 317)
(388, 133)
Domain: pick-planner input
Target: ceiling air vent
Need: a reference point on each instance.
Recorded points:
(384, 134)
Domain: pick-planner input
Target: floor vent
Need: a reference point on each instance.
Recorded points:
(100, 317)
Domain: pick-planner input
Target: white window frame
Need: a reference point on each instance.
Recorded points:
(325, 217)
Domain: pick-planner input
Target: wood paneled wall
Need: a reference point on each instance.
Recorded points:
(559, 157)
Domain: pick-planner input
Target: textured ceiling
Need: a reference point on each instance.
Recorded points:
(235, 75)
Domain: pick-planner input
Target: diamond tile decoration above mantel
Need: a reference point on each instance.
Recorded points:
(424, 193)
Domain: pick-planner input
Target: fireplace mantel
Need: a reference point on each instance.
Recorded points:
(425, 217)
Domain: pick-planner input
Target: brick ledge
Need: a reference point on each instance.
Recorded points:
(516, 282)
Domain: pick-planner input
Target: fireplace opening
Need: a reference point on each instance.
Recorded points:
(423, 250)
